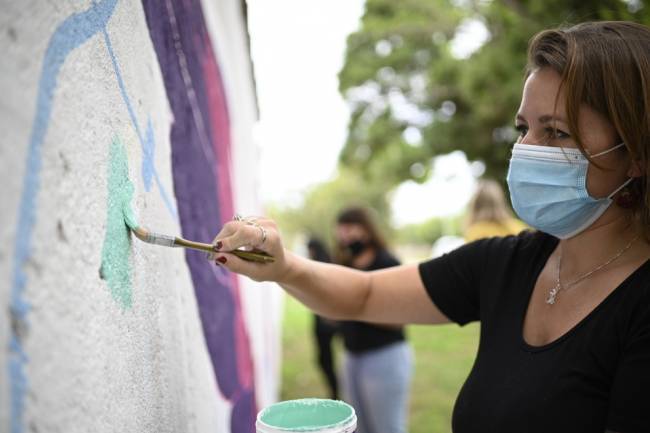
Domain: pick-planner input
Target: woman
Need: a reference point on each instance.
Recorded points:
(378, 360)
(489, 215)
(565, 310)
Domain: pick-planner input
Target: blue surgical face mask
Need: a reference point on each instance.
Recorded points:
(548, 189)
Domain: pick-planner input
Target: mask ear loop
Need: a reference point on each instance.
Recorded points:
(626, 183)
(605, 152)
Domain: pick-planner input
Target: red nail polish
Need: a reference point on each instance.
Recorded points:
(222, 260)
(218, 246)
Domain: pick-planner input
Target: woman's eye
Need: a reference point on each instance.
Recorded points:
(521, 129)
(556, 133)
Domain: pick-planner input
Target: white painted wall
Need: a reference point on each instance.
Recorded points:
(94, 365)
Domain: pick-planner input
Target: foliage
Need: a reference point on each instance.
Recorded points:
(400, 73)
(412, 98)
(317, 215)
(429, 231)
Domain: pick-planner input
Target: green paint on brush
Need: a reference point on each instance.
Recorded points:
(116, 253)
(309, 414)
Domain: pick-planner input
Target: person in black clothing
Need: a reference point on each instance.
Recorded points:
(378, 362)
(564, 310)
(324, 329)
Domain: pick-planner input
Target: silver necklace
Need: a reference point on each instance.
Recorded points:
(552, 294)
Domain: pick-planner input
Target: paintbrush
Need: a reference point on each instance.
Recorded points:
(174, 241)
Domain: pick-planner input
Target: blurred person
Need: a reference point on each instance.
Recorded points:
(378, 364)
(565, 309)
(445, 244)
(324, 329)
(489, 215)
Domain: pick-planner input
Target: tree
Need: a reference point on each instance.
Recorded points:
(413, 98)
(402, 80)
(323, 203)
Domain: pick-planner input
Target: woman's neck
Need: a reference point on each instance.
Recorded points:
(364, 259)
(600, 242)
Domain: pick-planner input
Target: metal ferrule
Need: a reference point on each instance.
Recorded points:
(159, 239)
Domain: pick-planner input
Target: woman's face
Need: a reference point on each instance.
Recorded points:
(348, 233)
(536, 121)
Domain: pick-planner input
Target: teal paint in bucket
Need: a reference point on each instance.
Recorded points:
(311, 415)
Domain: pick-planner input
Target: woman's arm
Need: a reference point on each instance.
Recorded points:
(394, 295)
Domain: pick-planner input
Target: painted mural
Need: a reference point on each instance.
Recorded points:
(197, 196)
(200, 139)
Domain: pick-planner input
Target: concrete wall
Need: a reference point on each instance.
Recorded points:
(103, 333)
(262, 302)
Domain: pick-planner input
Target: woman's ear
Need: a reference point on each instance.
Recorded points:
(635, 169)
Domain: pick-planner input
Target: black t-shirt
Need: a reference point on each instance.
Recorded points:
(360, 337)
(595, 377)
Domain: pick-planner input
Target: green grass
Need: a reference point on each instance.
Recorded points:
(443, 358)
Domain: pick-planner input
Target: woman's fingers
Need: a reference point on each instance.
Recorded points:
(253, 270)
(228, 229)
(235, 264)
(260, 234)
(235, 235)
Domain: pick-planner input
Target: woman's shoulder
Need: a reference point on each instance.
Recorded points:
(494, 252)
(637, 293)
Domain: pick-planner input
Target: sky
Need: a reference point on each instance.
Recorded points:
(298, 48)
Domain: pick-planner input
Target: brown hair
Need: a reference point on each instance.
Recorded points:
(360, 216)
(488, 204)
(605, 65)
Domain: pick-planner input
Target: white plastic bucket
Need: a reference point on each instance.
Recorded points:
(313, 415)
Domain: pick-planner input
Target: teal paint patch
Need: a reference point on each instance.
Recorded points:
(307, 415)
(116, 253)
(129, 216)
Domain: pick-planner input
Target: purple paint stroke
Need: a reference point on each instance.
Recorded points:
(180, 38)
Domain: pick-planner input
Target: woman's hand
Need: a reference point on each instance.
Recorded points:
(260, 234)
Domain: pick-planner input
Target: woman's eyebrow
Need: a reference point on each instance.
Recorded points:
(546, 118)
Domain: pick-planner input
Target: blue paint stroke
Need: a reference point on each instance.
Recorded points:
(148, 147)
(70, 34)
(146, 141)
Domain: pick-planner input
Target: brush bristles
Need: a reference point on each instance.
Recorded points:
(141, 233)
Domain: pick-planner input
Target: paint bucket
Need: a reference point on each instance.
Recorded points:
(312, 415)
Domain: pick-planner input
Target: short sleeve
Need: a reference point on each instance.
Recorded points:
(629, 408)
(452, 281)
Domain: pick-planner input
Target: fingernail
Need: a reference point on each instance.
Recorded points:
(222, 260)
(218, 246)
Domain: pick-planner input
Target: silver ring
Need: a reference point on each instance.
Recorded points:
(259, 226)
(263, 233)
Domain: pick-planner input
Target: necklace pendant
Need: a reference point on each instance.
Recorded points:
(552, 295)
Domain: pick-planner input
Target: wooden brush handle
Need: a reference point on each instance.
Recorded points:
(252, 256)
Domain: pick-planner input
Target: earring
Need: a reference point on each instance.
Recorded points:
(626, 199)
